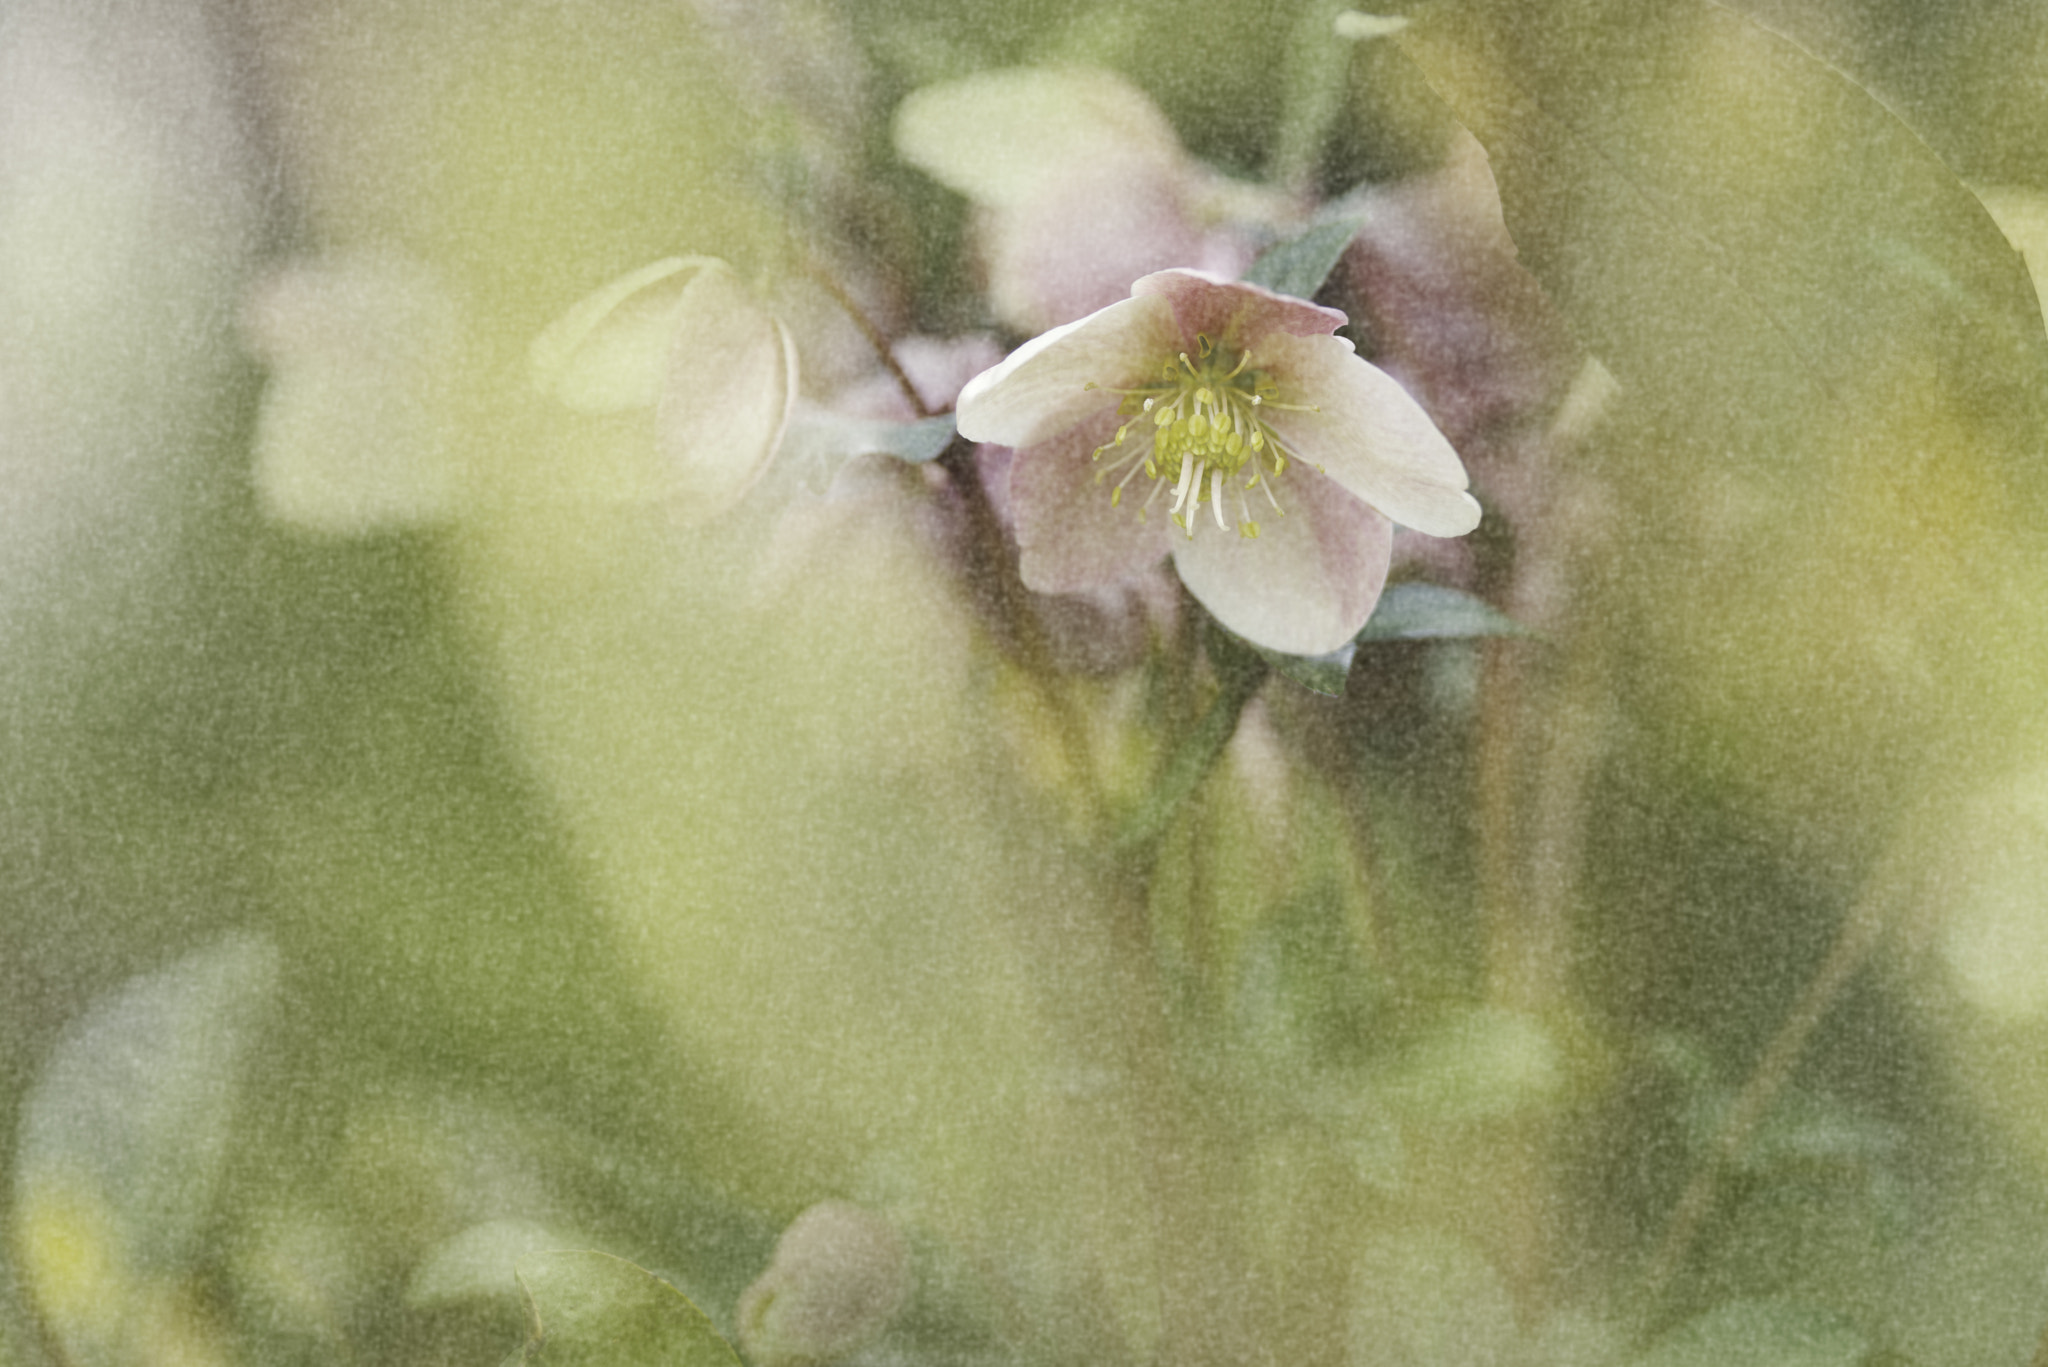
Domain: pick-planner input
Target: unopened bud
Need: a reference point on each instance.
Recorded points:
(839, 1275)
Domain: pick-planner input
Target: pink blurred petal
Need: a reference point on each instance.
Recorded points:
(1070, 538)
(1309, 580)
(1065, 254)
(1233, 312)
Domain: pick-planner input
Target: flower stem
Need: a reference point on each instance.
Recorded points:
(1241, 673)
(1860, 935)
(883, 351)
(998, 591)
(1202, 1283)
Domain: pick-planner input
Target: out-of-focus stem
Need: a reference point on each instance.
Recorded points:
(1203, 1289)
(1859, 936)
(883, 351)
(1200, 1282)
(1190, 761)
(993, 577)
(1541, 730)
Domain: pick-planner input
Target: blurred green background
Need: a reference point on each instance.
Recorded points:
(537, 872)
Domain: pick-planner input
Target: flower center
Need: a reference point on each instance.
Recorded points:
(1207, 438)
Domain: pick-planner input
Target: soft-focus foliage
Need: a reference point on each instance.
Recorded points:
(585, 831)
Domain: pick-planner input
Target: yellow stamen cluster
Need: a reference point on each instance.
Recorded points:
(1205, 429)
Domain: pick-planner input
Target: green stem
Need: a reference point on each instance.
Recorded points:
(994, 580)
(1853, 947)
(1202, 1283)
(1191, 761)
(1318, 66)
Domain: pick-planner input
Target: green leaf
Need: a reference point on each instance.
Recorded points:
(1825, 457)
(820, 444)
(1406, 612)
(1319, 673)
(1298, 265)
(913, 442)
(1430, 612)
(1759, 1333)
(480, 1260)
(592, 1308)
(1480, 1064)
(1746, 237)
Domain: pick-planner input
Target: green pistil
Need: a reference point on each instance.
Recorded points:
(1208, 438)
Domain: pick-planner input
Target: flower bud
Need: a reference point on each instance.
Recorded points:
(684, 338)
(839, 1275)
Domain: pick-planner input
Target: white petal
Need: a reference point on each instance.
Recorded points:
(357, 429)
(1369, 435)
(1005, 138)
(1308, 581)
(610, 351)
(731, 382)
(1044, 387)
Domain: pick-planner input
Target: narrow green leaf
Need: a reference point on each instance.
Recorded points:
(1483, 1063)
(1431, 612)
(1298, 265)
(588, 1309)
(914, 442)
(1240, 672)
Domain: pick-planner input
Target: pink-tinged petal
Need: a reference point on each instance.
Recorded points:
(1366, 433)
(1077, 247)
(1044, 387)
(1069, 537)
(732, 380)
(1231, 312)
(1306, 583)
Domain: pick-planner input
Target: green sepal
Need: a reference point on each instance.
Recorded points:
(1431, 612)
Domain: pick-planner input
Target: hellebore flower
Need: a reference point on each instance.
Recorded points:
(1201, 400)
(684, 338)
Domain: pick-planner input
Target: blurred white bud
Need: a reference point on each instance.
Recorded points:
(358, 428)
(683, 337)
(839, 1275)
